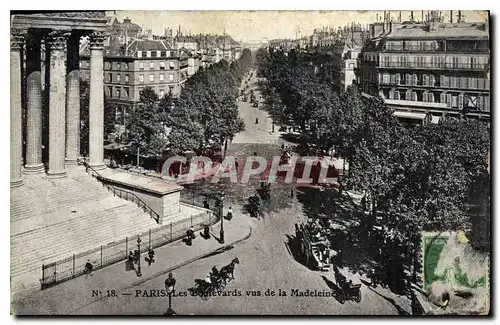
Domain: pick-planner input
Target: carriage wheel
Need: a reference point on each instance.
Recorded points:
(357, 297)
(205, 295)
(342, 297)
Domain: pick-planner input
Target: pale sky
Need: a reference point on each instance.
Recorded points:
(257, 25)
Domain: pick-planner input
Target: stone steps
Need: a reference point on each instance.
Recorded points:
(44, 229)
(76, 236)
(63, 214)
(31, 201)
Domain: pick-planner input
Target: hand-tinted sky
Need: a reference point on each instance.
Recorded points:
(257, 25)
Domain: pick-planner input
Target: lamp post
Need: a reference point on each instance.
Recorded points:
(221, 214)
(272, 112)
(139, 256)
(170, 287)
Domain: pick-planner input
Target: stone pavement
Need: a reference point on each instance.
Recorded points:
(76, 293)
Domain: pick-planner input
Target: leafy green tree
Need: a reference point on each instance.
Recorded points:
(148, 96)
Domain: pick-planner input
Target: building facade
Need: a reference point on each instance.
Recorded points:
(143, 63)
(430, 67)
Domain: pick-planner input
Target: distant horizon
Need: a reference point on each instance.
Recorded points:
(257, 26)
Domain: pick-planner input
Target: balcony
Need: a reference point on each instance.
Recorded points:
(439, 66)
(400, 102)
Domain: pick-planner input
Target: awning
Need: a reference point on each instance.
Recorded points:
(410, 115)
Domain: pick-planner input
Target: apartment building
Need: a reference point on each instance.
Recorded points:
(429, 67)
(345, 52)
(143, 63)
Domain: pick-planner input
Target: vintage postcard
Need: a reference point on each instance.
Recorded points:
(250, 163)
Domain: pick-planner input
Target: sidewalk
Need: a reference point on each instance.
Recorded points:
(73, 294)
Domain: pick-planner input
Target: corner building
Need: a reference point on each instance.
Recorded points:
(435, 68)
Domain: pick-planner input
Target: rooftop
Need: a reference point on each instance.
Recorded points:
(443, 30)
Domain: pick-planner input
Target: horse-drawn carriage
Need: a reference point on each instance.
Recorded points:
(314, 248)
(215, 282)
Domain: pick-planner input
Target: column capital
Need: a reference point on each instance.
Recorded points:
(96, 40)
(17, 38)
(58, 39)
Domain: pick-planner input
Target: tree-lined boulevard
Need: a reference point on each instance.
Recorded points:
(410, 178)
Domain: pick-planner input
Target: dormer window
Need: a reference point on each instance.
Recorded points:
(139, 54)
(148, 54)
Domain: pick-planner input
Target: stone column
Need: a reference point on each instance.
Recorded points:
(57, 104)
(34, 104)
(96, 102)
(16, 129)
(73, 101)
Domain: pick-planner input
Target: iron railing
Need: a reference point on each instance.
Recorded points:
(124, 194)
(433, 65)
(105, 255)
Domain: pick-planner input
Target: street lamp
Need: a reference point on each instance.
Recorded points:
(139, 256)
(170, 287)
(221, 214)
(272, 112)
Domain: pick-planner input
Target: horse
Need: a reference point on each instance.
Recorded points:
(227, 272)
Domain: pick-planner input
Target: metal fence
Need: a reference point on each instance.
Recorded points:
(105, 255)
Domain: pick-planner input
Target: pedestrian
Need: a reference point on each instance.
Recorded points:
(282, 146)
(291, 192)
(151, 255)
(88, 268)
(236, 164)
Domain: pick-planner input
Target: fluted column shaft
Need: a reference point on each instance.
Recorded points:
(34, 111)
(96, 102)
(57, 104)
(73, 102)
(16, 130)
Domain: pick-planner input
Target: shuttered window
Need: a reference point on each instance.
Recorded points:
(408, 79)
(430, 97)
(463, 82)
(460, 101)
(448, 99)
(397, 78)
(432, 80)
(442, 98)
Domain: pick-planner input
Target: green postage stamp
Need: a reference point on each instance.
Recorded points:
(451, 264)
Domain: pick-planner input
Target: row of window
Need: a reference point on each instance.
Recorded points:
(171, 77)
(432, 62)
(158, 65)
(153, 54)
(431, 80)
(118, 77)
(430, 46)
(116, 92)
(116, 66)
(452, 100)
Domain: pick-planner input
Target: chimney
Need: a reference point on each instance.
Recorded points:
(399, 16)
(377, 18)
(422, 16)
(411, 16)
(459, 17)
(451, 16)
